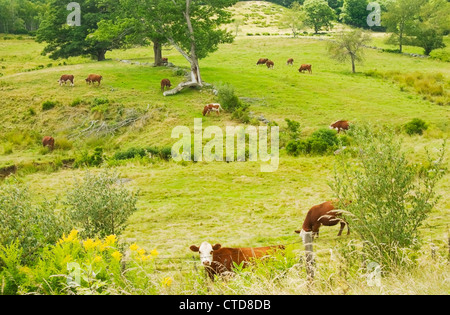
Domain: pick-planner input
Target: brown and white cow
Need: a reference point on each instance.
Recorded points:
(261, 61)
(66, 78)
(94, 78)
(290, 62)
(340, 125)
(48, 142)
(165, 83)
(324, 214)
(269, 64)
(220, 260)
(305, 67)
(214, 107)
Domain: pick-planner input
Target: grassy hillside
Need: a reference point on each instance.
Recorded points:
(181, 204)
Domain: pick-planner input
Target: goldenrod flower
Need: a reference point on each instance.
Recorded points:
(110, 240)
(167, 282)
(117, 255)
(134, 247)
(154, 252)
(72, 237)
(141, 252)
(89, 244)
(97, 259)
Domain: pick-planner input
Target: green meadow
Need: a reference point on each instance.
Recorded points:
(234, 204)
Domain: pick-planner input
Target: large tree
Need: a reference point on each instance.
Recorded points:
(318, 14)
(132, 22)
(400, 20)
(193, 28)
(349, 46)
(65, 41)
(293, 18)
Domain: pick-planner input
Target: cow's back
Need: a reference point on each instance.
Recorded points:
(315, 213)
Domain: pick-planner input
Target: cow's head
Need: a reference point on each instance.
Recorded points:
(206, 252)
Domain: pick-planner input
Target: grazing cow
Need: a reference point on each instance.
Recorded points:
(262, 61)
(304, 68)
(66, 77)
(94, 78)
(219, 260)
(269, 64)
(48, 142)
(165, 83)
(214, 107)
(325, 214)
(290, 62)
(340, 125)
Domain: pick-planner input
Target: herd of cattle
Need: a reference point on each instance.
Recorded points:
(290, 62)
(220, 260)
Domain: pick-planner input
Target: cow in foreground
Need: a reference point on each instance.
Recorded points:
(165, 83)
(290, 62)
(48, 142)
(261, 61)
(94, 78)
(324, 214)
(305, 68)
(66, 78)
(220, 260)
(214, 107)
(340, 125)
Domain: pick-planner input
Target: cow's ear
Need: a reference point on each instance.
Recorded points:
(194, 248)
(297, 231)
(217, 247)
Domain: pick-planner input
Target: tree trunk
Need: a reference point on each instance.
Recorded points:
(101, 55)
(157, 51)
(353, 65)
(196, 79)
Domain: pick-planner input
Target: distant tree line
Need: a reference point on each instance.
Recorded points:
(21, 16)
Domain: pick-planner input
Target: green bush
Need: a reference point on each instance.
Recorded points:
(100, 205)
(415, 126)
(47, 105)
(321, 142)
(129, 154)
(32, 225)
(86, 159)
(390, 197)
(227, 99)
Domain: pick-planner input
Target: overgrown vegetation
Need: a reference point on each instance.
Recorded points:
(386, 198)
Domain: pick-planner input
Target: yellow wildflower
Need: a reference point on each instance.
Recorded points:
(72, 237)
(167, 282)
(97, 259)
(141, 252)
(89, 244)
(134, 247)
(117, 255)
(154, 252)
(110, 240)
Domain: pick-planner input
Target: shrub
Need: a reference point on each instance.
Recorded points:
(47, 105)
(32, 225)
(86, 159)
(228, 100)
(129, 154)
(321, 142)
(415, 126)
(100, 205)
(390, 197)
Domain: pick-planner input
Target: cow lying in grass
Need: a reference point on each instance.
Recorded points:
(220, 260)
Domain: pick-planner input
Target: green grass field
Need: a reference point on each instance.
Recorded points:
(234, 204)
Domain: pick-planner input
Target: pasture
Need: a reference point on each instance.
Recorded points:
(181, 204)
